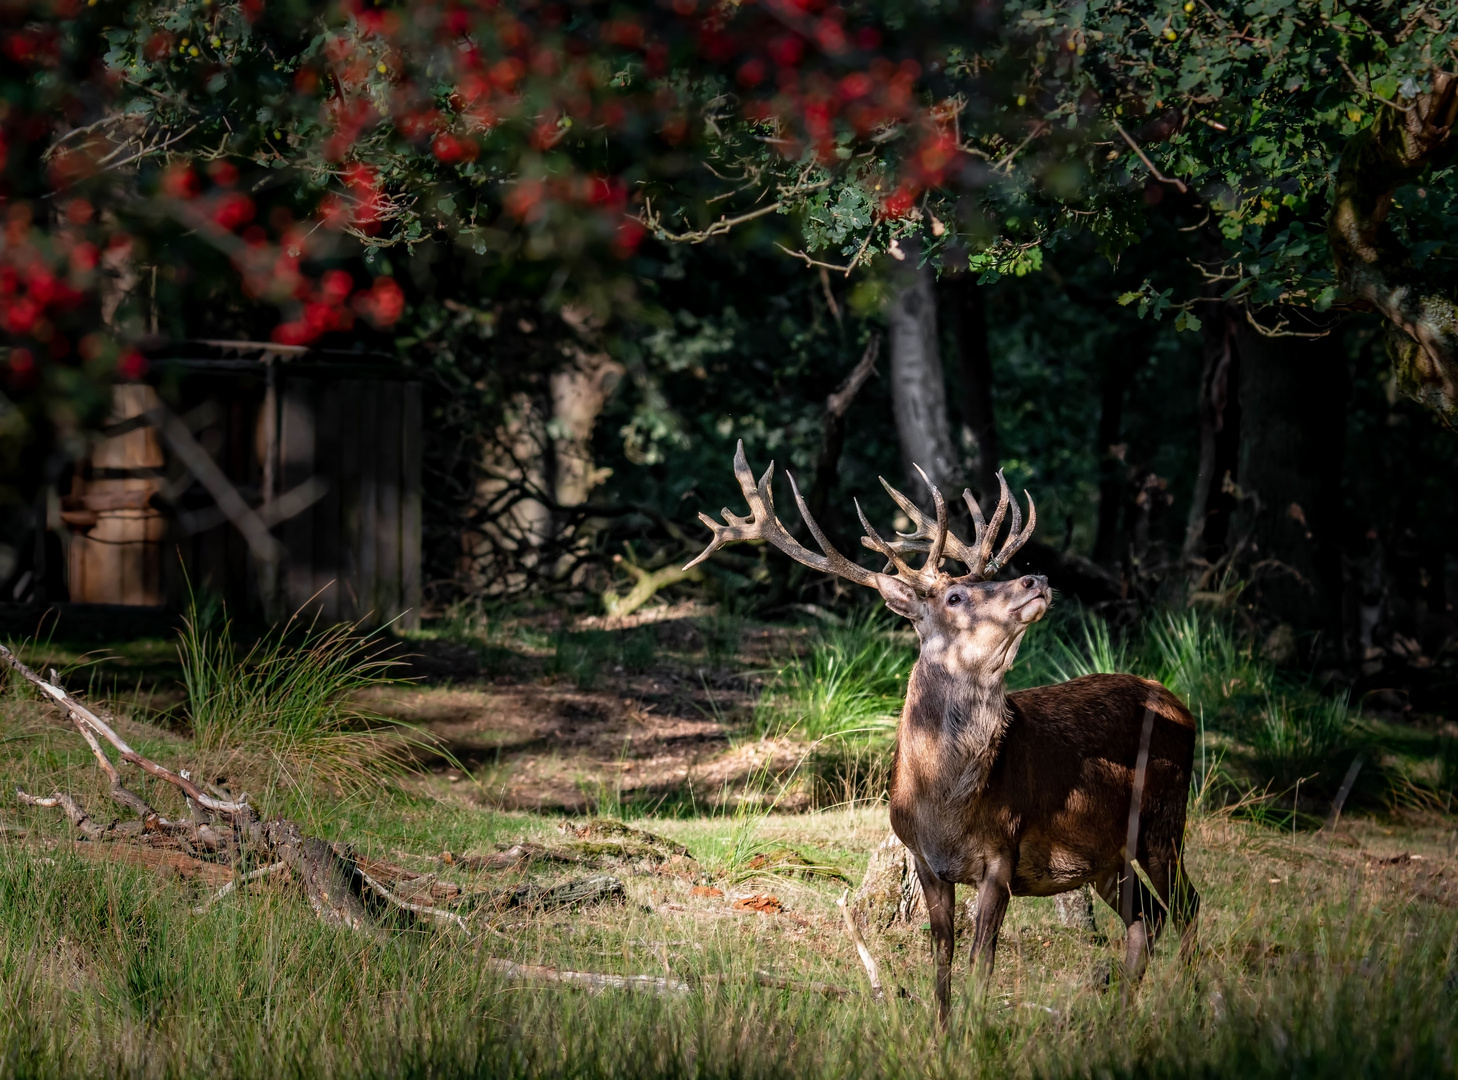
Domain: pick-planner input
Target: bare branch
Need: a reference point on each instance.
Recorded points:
(435, 914)
(1153, 171)
(80, 713)
(237, 882)
(872, 972)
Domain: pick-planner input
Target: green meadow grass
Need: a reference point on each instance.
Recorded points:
(1323, 954)
(1325, 971)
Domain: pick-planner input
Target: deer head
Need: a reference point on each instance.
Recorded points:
(967, 624)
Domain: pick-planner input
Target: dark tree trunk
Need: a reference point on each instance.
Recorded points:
(918, 384)
(1119, 364)
(965, 303)
(1293, 393)
(1219, 412)
(832, 438)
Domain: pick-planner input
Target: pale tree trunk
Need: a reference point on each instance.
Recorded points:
(502, 551)
(579, 390)
(538, 465)
(918, 385)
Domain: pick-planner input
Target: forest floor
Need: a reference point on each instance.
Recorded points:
(1323, 951)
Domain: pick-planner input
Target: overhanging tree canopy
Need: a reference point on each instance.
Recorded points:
(171, 153)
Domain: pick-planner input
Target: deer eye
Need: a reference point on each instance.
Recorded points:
(954, 600)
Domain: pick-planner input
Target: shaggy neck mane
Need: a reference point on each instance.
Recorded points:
(956, 721)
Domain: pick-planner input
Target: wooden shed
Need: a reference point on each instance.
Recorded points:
(280, 479)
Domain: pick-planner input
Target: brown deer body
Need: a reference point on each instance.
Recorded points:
(1026, 794)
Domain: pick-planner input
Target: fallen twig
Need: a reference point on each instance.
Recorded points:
(872, 972)
(437, 914)
(657, 984)
(589, 980)
(251, 876)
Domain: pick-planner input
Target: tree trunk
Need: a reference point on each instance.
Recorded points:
(918, 384)
(1292, 401)
(832, 435)
(1219, 412)
(966, 305)
(579, 390)
(1119, 364)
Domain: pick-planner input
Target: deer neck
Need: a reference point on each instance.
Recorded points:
(951, 730)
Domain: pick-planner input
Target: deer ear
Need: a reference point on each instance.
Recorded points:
(899, 596)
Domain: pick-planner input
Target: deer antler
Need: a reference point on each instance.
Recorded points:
(934, 536)
(1017, 536)
(762, 524)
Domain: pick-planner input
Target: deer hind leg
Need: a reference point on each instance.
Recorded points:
(940, 899)
(1143, 916)
(1165, 865)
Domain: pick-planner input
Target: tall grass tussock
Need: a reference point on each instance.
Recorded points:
(289, 702)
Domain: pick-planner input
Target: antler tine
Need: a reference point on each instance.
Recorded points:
(974, 559)
(877, 544)
(838, 562)
(738, 528)
(939, 541)
(988, 536)
(925, 531)
(1015, 538)
(762, 524)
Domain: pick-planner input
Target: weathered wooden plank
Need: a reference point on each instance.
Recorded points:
(390, 419)
(296, 453)
(369, 413)
(327, 564)
(350, 397)
(411, 441)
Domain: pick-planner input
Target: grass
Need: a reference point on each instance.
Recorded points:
(581, 656)
(290, 698)
(851, 681)
(1322, 953)
(105, 969)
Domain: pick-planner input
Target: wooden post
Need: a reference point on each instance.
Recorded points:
(328, 564)
(116, 555)
(350, 508)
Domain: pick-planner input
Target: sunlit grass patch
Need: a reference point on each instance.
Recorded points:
(851, 681)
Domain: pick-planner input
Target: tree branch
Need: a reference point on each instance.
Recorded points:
(1373, 266)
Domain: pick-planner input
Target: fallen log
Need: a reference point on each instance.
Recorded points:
(577, 892)
(228, 831)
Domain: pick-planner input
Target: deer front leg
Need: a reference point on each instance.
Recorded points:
(940, 906)
(992, 897)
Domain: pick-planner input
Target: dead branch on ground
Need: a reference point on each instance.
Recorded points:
(221, 831)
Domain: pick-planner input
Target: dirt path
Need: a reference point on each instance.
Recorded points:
(676, 731)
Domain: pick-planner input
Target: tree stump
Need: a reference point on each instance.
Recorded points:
(1075, 909)
(889, 894)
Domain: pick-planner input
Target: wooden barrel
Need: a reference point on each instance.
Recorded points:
(117, 534)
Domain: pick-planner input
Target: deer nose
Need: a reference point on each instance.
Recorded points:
(1035, 581)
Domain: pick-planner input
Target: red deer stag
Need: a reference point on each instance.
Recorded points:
(1032, 793)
